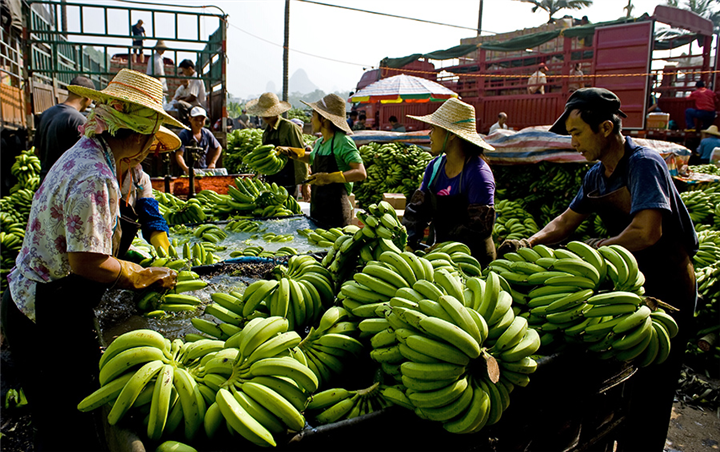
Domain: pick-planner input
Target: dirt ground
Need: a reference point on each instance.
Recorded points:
(693, 429)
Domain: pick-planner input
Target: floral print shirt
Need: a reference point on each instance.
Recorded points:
(74, 210)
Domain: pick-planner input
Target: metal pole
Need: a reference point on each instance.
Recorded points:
(286, 52)
(479, 30)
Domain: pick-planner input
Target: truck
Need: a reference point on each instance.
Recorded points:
(45, 44)
(628, 56)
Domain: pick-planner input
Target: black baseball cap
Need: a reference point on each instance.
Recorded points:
(597, 99)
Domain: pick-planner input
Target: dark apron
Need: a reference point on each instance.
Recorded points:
(453, 211)
(329, 204)
(670, 277)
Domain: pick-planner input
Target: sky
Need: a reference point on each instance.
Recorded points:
(335, 46)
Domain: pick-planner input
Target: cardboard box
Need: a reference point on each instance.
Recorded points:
(658, 120)
(397, 200)
(400, 214)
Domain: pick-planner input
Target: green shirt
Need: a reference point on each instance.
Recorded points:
(345, 153)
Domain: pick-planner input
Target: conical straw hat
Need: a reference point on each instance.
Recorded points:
(332, 108)
(267, 105)
(456, 117)
(134, 87)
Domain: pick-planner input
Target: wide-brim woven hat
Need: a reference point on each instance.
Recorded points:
(332, 108)
(133, 87)
(267, 105)
(165, 141)
(160, 44)
(712, 130)
(456, 117)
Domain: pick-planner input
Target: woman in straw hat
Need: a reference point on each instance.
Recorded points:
(335, 161)
(457, 195)
(710, 141)
(68, 258)
(280, 132)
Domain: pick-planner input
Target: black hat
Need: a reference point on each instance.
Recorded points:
(597, 99)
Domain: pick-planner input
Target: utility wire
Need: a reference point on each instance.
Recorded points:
(390, 15)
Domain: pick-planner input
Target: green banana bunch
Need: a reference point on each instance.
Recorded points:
(210, 233)
(336, 404)
(700, 205)
(240, 143)
(265, 160)
(272, 237)
(512, 222)
(330, 343)
(705, 169)
(26, 169)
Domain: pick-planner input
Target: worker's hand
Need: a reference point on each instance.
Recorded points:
(293, 153)
(305, 190)
(211, 165)
(159, 239)
(327, 178)
(134, 277)
(595, 243)
(511, 246)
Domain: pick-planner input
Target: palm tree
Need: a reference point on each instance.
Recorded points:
(553, 6)
(629, 8)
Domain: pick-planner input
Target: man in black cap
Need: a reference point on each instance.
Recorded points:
(631, 190)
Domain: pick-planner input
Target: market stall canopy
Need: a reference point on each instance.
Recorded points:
(663, 41)
(403, 88)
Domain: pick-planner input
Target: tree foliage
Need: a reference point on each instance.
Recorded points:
(553, 6)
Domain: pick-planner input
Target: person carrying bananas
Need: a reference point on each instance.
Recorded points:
(69, 259)
(138, 207)
(335, 162)
(630, 188)
(280, 132)
(457, 194)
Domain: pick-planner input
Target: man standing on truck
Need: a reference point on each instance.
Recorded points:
(705, 102)
(156, 66)
(59, 126)
(138, 34)
(630, 188)
(536, 82)
(198, 136)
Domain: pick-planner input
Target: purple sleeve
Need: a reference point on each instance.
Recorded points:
(481, 183)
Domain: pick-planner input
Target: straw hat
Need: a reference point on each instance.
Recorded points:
(160, 44)
(712, 130)
(267, 105)
(332, 108)
(133, 87)
(165, 141)
(456, 117)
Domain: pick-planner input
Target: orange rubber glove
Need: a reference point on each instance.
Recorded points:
(327, 178)
(159, 239)
(134, 277)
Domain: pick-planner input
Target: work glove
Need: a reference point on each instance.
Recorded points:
(595, 243)
(134, 277)
(293, 153)
(327, 178)
(159, 239)
(511, 246)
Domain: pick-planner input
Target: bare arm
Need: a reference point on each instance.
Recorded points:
(559, 228)
(356, 173)
(213, 156)
(94, 266)
(644, 230)
(180, 159)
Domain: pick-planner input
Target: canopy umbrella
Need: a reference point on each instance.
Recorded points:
(402, 88)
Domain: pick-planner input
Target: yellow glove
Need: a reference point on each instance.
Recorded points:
(159, 239)
(327, 178)
(293, 153)
(134, 277)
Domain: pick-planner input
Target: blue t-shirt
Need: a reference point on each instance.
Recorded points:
(207, 142)
(646, 176)
(478, 183)
(706, 147)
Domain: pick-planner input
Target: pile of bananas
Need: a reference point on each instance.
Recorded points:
(240, 143)
(709, 251)
(246, 382)
(27, 171)
(265, 160)
(262, 199)
(14, 214)
(391, 168)
(337, 404)
(382, 231)
(200, 253)
(512, 222)
(705, 169)
(326, 347)
(243, 225)
(588, 296)
(700, 205)
(176, 211)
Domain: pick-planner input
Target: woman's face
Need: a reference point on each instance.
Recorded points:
(316, 122)
(437, 140)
